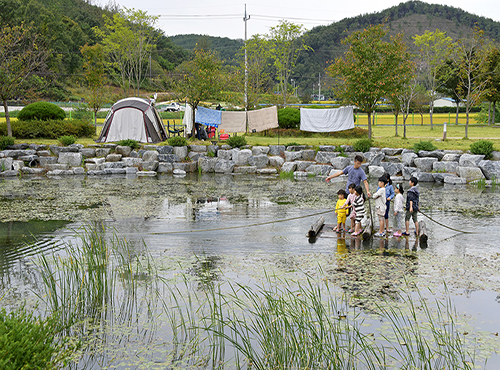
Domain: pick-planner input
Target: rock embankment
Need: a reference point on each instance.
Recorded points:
(448, 166)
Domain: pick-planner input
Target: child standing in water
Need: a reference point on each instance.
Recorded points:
(340, 211)
(412, 206)
(359, 208)
(399, 209)
(350, 200)
(389, 194)
(380, 204)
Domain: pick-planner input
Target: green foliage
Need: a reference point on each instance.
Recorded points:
(362, 145)
(424, 145)
(483, 147)
(41, 111)
(482, 116)
(134, 144)
(293, 143)
(67, 140)
(27, 342)
(289, 118)
(52, 129)
(236, 141)
(286, 175)
(177, 141)
(6, 141)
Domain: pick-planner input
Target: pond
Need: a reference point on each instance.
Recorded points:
(179, 240)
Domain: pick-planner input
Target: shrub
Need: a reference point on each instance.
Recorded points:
(27, 342)
(236, 141)
(484, 147)
(423, 145)
(6, 141)
(289, 118)
(52, 129)
(363, 145)
(177, 141)
(41, 111)
(67, 140)
(134, 144)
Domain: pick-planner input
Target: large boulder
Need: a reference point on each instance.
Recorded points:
(9, 173)
(289, 167)
(308, 154)
(276, 161)
(445, 167)
(376, 171)
(124, 150)
(376, 159)
(439, 176)
(107, 165)
(113, 157)
(302, 165)
(188, 167)
(409, 172)
(452, 180)
(150, 155)
(17, 165)
(34, 171)
(206, 164)
(392, 168)
(198, 148)
(393, 158)
(340, 163)
(242, 156)
(213, 149)
(165, 149)
(327, 148)
(491, 169)
(181, 151)
(170, 158)
(408, 159)
(225, 154)
(115, 171)
(57, 167)
(88, 152)
(6, 163)
(101, 152)
(449, 157)
(392, 151)
(257, 150)
(148, 166)
(470, 160)
(277, 150)
(259, 161)
(224, 166)
(319, 169)
(292, 156)
(495, 155)
(425, 164)
(245, 169)
(72, 159)
(431, 154)
(470, 173)
(131, 162)
(424, 176)
(295, 148)
(325, 157)
(165, 167)
(196, 155)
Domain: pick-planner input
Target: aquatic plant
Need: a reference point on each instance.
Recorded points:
(286, 175)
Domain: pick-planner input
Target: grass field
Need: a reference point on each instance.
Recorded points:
(383, 133)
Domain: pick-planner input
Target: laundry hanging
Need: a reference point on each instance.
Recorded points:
(233, 122)
(187, 121)
(326, 120)
(208, 117)
(263, 119)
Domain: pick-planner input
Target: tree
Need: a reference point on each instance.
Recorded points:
(434, 48)
(128, 40)
(94, 74)
(285, 44)
(402, 94)
(492, 75)
(420, 101)
(470, 59)
(371, 69)
(200, 79)
(449, 85)
(21, 56)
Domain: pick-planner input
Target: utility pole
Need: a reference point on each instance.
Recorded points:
(245, 19)
(319, 86)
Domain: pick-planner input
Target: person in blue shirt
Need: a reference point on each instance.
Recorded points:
(355, 175)
(389, 194)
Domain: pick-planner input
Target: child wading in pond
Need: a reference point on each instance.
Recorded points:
(340, 211)
(399, 209)
(350, 200)
(380, 204)
(359, 208)
(412, 206)
(389, 194)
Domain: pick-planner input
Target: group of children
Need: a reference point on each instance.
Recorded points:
(352, 205)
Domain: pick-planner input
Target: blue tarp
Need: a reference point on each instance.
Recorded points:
(208, 117)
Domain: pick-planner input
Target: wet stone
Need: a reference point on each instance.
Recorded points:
(276, 161)
(259, 161)
(60, 173)
(207, 164)
(289, 167)
(102, 152)
(78, 170)
(131, 170)
(454, 180)
(470, 173)
(319, 169)
(439, 177)
(150, 155)
(245, 169)
(224, 166)
(113, 157)
(57, 166)
(170, 158)
(225, 154)
(470, 160)
(424, 176)
(308, 154)
(165, 167)
(178, 172)
(181, 151)
(108, 165)
(325, 157)
(267, 171)
(302, 165)
(376, 171)
(425, 164)
(124, 150)
(146, 173)
(446, 167)
(408, 159)
(340, 163)
(32, 171)
(115, 171)
(43, 153)
(188, 167)
(96, 173)
(148, 165)
(277, 150)
(9, 173)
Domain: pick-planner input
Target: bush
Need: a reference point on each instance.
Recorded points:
(6, 141)
(236, 141)
(423, 145)
(177, 141)
(289, 118)
(67, 140)
(134, 144)
(27, 342)
(53, 129)
(41, 111)
(484, 147)
(363, 145)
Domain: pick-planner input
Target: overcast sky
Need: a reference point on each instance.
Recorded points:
(225, 18)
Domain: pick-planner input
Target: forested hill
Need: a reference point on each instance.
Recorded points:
(412, 17)
(226, 48)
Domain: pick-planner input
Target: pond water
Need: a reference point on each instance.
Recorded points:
(195, 223)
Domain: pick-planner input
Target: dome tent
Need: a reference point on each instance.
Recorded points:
(133, 118)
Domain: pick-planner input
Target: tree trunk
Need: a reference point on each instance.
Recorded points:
(369, 125)
(192, 121)
(489, 113)
(7, 118)
(421, 119)
(458, 110)
(396, 123)
(467, 123)
(494, 113)
(404, 126)
(284, 94)
(431, 112)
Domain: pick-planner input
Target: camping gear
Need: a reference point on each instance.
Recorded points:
(133, 118)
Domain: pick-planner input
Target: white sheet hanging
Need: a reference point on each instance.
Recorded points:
(326, 120)
(262, 119)
(233, 122)
(187, 121)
